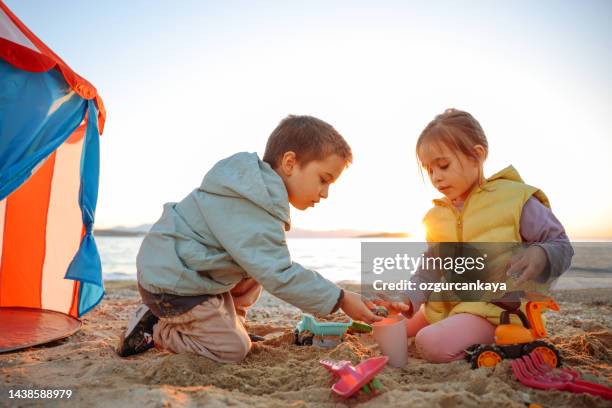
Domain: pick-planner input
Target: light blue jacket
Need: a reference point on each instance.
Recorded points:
(232, 227)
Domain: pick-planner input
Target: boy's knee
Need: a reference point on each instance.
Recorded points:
(236, 349)
(432, 346)
(229, 347)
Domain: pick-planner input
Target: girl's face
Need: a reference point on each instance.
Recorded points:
(452, 173)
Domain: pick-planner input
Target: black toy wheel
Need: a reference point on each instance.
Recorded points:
(296, 337)
(302, 339)
(486, 356)
(549, 353)
(470, 351)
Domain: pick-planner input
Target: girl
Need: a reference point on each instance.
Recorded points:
(502, 208)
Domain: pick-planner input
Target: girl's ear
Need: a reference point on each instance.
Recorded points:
(481, 152)
(288, 163)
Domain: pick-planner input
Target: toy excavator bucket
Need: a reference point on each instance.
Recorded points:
(534, 315)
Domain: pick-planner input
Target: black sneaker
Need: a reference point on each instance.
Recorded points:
(138, 336)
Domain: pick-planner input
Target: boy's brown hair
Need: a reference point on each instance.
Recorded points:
(309, 138)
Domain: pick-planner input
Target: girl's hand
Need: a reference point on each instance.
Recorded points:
(528, 264)
(400, 307)
(353, 305)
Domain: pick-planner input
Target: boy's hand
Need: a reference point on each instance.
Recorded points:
(353, 305)
(528, 264)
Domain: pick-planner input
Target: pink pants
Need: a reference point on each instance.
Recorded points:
(447, 339)
(214, 328)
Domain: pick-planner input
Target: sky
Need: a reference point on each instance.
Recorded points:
(188, 83)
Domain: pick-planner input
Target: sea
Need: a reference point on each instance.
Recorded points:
(339, 259)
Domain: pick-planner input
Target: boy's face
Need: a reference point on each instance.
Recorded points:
(308, 184)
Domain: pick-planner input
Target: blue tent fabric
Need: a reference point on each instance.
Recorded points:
(86, 266)
(38, 113)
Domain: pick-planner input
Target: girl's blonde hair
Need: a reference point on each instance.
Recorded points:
(457, 130)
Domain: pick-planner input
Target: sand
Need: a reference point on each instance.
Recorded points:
(279, 374)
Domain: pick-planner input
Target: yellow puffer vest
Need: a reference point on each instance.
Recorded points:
(491, 213)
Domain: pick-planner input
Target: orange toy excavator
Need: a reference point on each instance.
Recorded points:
(513, 340)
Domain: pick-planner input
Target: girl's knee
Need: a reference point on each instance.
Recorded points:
(433, 347)
(447, 339)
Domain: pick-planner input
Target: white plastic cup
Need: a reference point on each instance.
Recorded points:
(390, 334)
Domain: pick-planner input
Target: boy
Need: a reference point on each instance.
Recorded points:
(204, 262)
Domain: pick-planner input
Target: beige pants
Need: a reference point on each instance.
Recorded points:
(214, 328)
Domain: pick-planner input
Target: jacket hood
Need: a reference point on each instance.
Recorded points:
(244, 175)
(509, 173)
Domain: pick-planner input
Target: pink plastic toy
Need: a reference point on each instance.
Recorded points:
(531, 370)
(352, 379)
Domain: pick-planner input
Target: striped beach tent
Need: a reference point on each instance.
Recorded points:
(50, 123)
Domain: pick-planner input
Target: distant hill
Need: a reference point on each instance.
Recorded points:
(304, 233)
(141, 230)
(344, 233)
(121, 231)
(386, 235)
